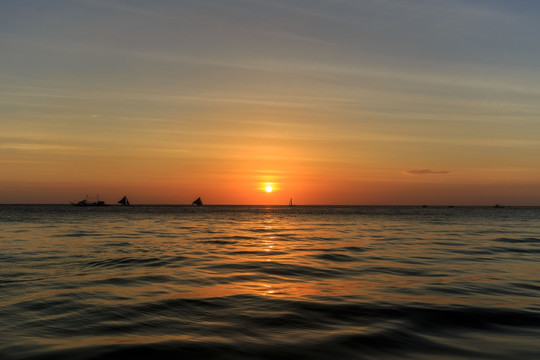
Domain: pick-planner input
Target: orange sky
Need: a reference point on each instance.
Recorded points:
(395, 102)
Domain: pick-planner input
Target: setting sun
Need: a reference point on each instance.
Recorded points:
(269, 189)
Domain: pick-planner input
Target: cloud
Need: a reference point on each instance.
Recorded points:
(426, 172)
(36, 147)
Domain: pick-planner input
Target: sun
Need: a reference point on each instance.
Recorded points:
(269, 189)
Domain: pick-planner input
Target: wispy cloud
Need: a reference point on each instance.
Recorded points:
(37, 147)
(426, 172)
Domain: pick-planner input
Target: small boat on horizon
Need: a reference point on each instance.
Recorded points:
(290, 202)
(86, 202)
(197, 202)
(124, 201)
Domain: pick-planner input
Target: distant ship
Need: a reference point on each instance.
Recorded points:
(290, 202)
(124, 201)
(197, 202)
(86, 202)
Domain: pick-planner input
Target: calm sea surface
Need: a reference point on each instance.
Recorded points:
(255, 282)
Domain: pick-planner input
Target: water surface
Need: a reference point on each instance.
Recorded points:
(245, 282)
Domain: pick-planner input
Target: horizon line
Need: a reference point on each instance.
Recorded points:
(286, 205)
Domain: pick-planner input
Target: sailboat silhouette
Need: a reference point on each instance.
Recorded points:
(197, 202)
(124, 201)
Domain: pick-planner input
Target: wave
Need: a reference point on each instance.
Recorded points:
(133, 262)
(534, 241)
(248, 327)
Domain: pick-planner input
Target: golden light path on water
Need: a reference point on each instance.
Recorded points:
(287, 251)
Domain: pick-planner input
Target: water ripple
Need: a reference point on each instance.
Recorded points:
(269, 283)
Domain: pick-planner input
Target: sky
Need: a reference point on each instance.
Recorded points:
(327, 101)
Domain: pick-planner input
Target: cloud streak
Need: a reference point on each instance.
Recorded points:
(426, 172)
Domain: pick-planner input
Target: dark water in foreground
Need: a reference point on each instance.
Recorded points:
(223, 282)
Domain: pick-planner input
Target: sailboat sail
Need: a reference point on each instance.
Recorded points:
(290, 202)
(124, 201)
(197, 202)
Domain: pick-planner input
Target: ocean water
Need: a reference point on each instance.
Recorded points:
(256, 282)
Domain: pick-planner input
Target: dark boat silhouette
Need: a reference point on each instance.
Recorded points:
(86, 202)
(197, 202)
(290, 202)
(124, 201)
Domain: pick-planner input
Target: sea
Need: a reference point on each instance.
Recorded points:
(269, 282)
